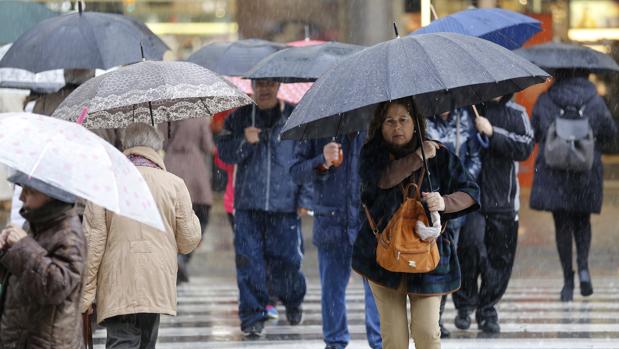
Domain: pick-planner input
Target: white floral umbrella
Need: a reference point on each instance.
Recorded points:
(72, 158)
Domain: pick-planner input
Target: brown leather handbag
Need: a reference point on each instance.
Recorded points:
(399, 248)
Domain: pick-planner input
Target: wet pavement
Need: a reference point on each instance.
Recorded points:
(531, 315)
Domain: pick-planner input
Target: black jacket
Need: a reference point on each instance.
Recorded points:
(511, 141)
(556, 190)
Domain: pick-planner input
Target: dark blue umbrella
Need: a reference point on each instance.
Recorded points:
(16, 17)
(83, 40)
(569, 56)
(234, 58)
(506, 28)
(301, 64)
(439, 71)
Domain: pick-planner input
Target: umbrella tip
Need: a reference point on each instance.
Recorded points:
(395, 29)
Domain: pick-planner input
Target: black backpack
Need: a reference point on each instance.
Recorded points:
(570, 145)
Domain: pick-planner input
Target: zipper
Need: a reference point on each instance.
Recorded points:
(268, 172)
(511, 177)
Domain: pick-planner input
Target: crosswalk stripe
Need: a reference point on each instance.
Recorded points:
(208, 318)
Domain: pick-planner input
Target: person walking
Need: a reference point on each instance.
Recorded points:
(572, 195)
(131, 269)
(42, 271)
(390, 159)
(188, 150)
(267, 231)
(489, 238)
(336, 206)
(456, 131)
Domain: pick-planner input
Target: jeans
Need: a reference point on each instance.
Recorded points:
(132, 331)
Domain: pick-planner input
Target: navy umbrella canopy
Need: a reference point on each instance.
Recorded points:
(302, 64)
(569, 56)
(16, 17)
(440, 71)
(503, 27)
(83, 40)
(234, 58)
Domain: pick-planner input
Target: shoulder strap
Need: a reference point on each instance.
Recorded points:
(370, 220)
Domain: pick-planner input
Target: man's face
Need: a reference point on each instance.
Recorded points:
(33, 199)
(265, 93)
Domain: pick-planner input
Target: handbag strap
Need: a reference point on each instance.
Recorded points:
(370, 220)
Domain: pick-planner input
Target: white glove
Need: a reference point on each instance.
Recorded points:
(429, 233)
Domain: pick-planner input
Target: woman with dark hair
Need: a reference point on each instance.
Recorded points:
(571, 195)
(392, 158)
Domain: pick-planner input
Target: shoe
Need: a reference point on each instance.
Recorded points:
(254, 330)
(272, 313)
(444, 331)
(567, 292)
(462, 321)
(586, 288)
(294, 316)
(489, 326)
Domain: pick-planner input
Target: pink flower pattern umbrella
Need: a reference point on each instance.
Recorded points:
(72, 158)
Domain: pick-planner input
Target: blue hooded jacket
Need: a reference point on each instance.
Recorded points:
(263, 180)
(337, 192)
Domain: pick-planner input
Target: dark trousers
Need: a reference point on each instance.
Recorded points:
(132, 331)
(264, 242)
(487, 248)
(202, 212)
(573, 226)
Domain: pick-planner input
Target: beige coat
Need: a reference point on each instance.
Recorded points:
(132, 267)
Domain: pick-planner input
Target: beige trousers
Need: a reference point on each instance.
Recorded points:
(424, 329)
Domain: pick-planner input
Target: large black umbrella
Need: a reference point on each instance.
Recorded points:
(568, 56)
(83, 40)
(234, 58)
(302, 64)
(440, 71)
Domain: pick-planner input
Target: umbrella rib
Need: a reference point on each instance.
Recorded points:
(456, 43)
(437, 75)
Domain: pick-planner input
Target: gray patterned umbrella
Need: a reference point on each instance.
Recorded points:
(151, 92)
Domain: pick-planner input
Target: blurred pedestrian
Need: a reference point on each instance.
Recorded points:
(44, 269)
(188, 150)
(131, 269)
(489, 238)
(390, 159)
(267, 232)
(571, 194)
(456, 131)
(332, 166)
(46, 104)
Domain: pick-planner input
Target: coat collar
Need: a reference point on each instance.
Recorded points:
(148, 153)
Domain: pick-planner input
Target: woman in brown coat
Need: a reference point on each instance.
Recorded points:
(45, 266)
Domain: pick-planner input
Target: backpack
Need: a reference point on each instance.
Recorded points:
(399, 248)
(569, 144)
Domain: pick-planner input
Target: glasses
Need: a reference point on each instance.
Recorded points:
(393, 122)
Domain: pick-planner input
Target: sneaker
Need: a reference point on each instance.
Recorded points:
(294, 316)
(254, 330)
(462, 321)
(489, 326)
(272, 313)
(444, 331)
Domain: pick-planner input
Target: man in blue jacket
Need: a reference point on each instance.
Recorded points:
(267, 232)
(336, 204)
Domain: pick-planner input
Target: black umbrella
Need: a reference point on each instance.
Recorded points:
(234, 58)
(302, 64)
(440, 71)
(568, 56)
(83, 40)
